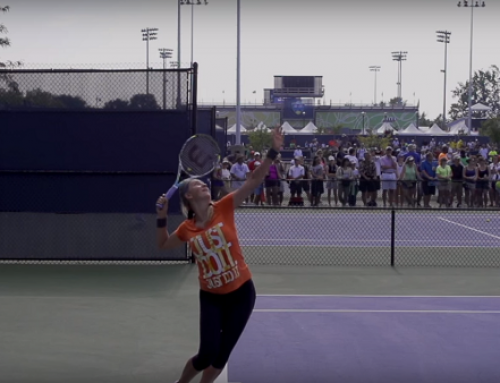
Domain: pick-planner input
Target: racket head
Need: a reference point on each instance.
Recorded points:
(199, 156)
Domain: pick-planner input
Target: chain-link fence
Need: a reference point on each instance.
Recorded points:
(116, 90)
(83, 216)
(283, 224)
(83, 157)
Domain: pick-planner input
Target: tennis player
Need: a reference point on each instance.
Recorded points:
(227, 294)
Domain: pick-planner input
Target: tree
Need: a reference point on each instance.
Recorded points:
(321, 130)
(5, 42)
(491, 128)
(40, 98)
(485, 90)
(260, 139)
(116, 104)
(7, 79)
(375, 141)
(72, 102)
(144, 101)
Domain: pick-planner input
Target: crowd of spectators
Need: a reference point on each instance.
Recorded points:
(402, 174)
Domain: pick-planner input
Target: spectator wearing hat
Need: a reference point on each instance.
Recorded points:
(388, 176)
(332, 184)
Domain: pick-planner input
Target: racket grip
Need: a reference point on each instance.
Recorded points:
(169, 195)
(171, 191)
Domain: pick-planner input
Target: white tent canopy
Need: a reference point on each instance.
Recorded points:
(460, 127)
(435, 130)
(386, 126)
(480, 107)
(232, 129)
(287, 128)
(261, 126)
(310, 128)
(411, 131)
(217, 127)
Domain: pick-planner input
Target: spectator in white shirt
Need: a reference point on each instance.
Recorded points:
(239, 172)
(298, 152)
(296, 174)
(351, 156)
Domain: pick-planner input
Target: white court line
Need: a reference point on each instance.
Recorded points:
(349, 311)
(378, 296)
(468, 227)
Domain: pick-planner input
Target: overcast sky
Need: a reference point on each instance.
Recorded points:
(338, 40)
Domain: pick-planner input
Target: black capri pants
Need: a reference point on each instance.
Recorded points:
(222, 321)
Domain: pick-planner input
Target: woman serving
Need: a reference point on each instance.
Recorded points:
(227, 293)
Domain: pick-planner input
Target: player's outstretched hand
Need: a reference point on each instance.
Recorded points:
(277, 137)
(162, 211)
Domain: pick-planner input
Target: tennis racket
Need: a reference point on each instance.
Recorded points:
(198, 157)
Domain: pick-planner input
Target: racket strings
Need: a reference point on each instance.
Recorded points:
(199, 156)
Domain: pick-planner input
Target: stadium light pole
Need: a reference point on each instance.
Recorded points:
(471, 5)
(400, 57)
(192, 3)
(148, 34)
(444, 37)
(375, 69)
(165, 54)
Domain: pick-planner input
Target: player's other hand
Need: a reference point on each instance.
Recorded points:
(162, 211)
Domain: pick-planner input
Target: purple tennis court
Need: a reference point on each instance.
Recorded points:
(350, 339)
(433, 229)
(337, 237)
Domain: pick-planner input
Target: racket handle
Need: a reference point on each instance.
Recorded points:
(169, 195)
(171, 191)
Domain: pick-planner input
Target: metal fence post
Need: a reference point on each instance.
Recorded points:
(393, 234)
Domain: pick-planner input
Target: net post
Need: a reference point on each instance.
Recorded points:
(393, 234)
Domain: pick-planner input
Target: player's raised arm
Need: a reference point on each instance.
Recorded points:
(257, 176)
(163, 238)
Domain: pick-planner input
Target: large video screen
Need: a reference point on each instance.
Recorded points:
(295, 108)
(298, 82)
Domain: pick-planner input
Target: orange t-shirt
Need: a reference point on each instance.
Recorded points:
(221, 265)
